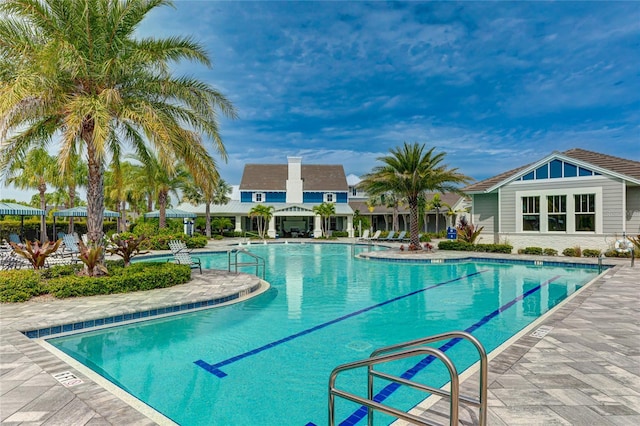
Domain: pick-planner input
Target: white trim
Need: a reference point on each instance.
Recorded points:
(624, 206)
(262, 195)
(499, 210)
(571, 213)
(560, 156)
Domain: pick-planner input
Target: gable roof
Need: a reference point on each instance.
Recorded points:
(273, 177)
(449, 198)
(628, 169)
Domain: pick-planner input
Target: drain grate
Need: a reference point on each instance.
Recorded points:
(67, 379)
(541, 331)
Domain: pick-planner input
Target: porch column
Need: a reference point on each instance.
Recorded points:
(350, 226)
(272, 227)
(238, 224)
(317, 227)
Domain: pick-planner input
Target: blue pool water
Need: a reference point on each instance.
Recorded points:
(267, 360)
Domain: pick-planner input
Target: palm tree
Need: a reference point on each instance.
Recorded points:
(410, 172)
(72, 68)
(325, 211)
(263, 215)
(71, 179)
(163, 179)
(33, 171)
(436, 204)
(217, 193)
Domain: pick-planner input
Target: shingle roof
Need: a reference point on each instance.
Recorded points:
(618, 165)
(273, 177)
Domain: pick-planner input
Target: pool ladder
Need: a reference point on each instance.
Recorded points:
(407, 350)
(234, 262)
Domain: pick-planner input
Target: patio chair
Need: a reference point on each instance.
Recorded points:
(401, 237)
(177, 246)
(364, 236)
(14, 238)
(69, 246)
(389, 237)
(184, 258)
(376, 236)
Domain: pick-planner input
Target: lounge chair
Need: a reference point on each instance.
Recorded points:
(364, 236)
(376, 236)
(177, 246)
(389, 237)
(184, 258)
(70, 246)
(400, 238)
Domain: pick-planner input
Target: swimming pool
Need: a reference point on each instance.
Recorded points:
(267, 360)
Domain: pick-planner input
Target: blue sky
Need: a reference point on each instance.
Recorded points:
(495, 85)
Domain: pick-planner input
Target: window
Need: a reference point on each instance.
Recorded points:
(530, 213)
(557, 212)
(330, 198)
(354, 191)
(585, 206)
(258, 197)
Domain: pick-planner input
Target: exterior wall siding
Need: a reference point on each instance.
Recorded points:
(276, 197)
(245, 196)
(522, 240)
(611, 199)
(632, 215)
(485, 213)
(312, 197)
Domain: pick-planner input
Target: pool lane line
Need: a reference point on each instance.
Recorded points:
(389, 389)
(215, 368)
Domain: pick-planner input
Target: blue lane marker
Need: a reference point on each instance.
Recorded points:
(215, 368)
(361, 412)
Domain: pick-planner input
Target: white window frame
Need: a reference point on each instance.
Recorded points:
(329, 197)
(257, 195)
(571, 209)
(532, 213)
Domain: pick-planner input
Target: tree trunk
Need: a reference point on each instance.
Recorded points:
(122, 220)
(396, 224)
(95, 186)
(42, 189)
(413, 222)
(162, 207)
(207, 213)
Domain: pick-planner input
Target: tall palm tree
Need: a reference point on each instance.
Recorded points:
(73, 69)
(410, 172)
(263, 215)
(325, 211)
(33, 171)
(121, 187)
(72, 178)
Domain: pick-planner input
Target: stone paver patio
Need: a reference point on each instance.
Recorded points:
(585, 371)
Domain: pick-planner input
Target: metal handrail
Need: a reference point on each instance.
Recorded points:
(480, 403)
(259, 261)
(373, 405)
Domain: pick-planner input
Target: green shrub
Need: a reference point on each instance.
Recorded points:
(136, 277)
(455, 245)
(464, 246)
(339, 234)
(233, 234)
(62, 281)
(425, 238)
(550, 252)
(217, 237)
(197, 241)
(532, 250)
(590, 253)
(572, 252)
(20, 285)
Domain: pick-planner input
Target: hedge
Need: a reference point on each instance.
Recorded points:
(62, 281)
(458, 245)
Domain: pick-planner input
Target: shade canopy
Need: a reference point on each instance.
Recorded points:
(172, 213)
(15, 209)
(81, 211)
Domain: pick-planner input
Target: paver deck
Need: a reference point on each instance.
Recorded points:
(585, 371)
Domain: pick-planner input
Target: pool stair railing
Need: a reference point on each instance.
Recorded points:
(414, 348)
(236, 261)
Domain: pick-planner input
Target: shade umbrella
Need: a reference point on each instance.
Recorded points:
(79, 211)
(15, 209)
(173, 213)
